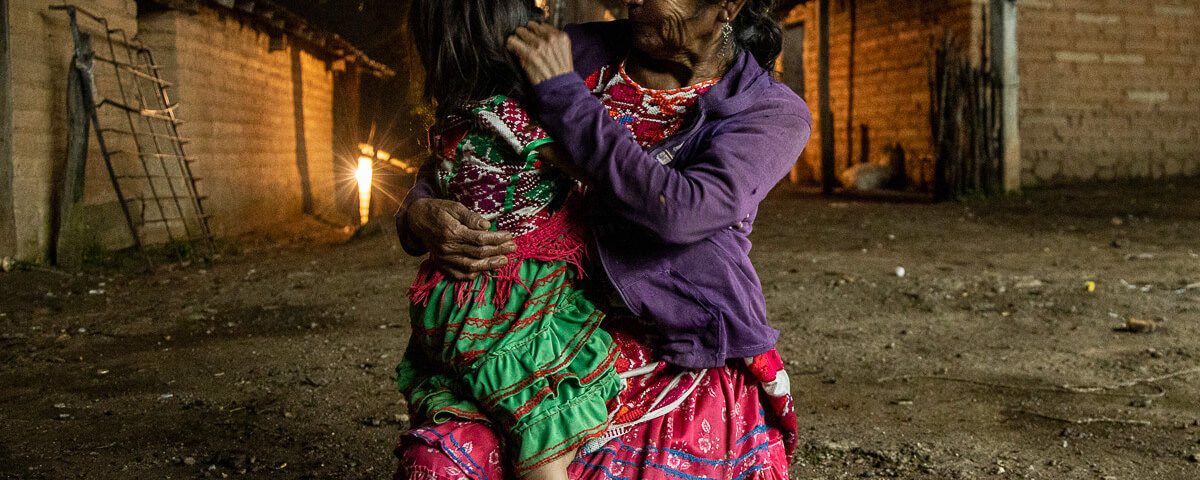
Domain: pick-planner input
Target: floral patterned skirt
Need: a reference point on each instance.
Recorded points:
(734, 422)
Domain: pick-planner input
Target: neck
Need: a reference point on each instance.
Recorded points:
(681, 70)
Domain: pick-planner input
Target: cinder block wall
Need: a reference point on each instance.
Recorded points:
(252, 115)
(1109, 89)
(892, 42)
(40, 51)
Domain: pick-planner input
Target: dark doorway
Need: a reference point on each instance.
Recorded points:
(793, 58)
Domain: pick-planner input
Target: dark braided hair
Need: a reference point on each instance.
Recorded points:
(757, 32)
(461, 44)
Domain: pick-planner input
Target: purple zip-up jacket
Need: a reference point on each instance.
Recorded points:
(672, 222)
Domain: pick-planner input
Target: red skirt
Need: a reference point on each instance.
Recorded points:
(734, 422)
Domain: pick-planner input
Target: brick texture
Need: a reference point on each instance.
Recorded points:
(892, 43)
(240, 102)
(1109, 89)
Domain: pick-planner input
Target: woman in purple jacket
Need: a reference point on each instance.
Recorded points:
(675, 119)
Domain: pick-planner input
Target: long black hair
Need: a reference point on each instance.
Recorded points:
(756, 31)
(461, 44)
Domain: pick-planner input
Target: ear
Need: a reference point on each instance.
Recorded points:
(730, 10)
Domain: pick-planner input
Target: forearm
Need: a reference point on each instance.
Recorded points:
(424, 187)
(625, 176)
(411, 244)
(717, 189)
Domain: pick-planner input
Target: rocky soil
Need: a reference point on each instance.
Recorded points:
(988, 358)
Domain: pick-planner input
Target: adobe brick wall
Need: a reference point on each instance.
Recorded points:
(892, 45)
(1109, 89)
(40, 51)
(238, 99)
(239, 103)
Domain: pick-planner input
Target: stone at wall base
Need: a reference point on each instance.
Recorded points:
(92, 228)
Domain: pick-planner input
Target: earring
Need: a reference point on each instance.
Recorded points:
(727, 35)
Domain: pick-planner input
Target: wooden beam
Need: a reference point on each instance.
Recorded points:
(828, 167)
(8, 229)
(850, 84)
(1004, 66)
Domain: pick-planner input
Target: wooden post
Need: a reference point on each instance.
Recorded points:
(853, 6)
(8, 232)
(1004, 67)
(828, 166)
(65, 249)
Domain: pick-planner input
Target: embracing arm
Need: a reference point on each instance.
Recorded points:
(718, 189)
(458, 240)
(424, 187)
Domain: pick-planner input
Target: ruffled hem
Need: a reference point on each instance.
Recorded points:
(557, 431)
(540, 367)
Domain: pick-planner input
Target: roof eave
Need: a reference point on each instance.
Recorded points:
(276, 20)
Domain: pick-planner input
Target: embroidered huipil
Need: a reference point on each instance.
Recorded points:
(521, 346)
(650, 115)
(477, 168)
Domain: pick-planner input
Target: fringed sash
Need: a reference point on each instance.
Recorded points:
(558, 237)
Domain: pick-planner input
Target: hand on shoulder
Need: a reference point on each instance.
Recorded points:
(544, 51)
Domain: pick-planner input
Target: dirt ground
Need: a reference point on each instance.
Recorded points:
(277, 361)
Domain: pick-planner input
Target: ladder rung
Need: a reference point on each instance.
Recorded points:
(152, 78)
(133, 66)
(181, 140)
(167, 197)
(149, 177)
(163, 155)
(173, 219)
(144, 112)
(155, 155)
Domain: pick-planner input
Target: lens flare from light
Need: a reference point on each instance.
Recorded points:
(366, 170)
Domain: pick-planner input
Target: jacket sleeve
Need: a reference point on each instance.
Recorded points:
(424, 186)
(719, 188)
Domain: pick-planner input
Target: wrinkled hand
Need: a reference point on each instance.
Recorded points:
(457, 238)
(544, 51)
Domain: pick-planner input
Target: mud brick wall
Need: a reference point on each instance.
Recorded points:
(40, 51)
(1109, 89)
(892, 42)
(256, 119)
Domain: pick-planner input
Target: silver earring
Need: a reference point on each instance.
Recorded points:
(727, 35)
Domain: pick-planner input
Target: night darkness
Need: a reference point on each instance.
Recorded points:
(391, 107)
